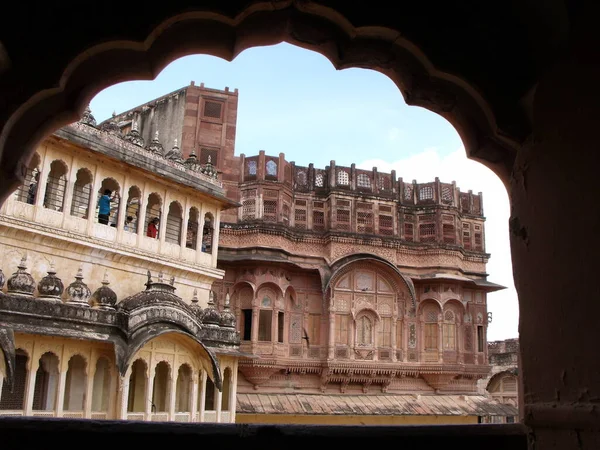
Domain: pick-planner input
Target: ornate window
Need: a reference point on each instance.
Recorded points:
(341, 329)
(207, 233)
(319, 180)
(449, 331)
(385, 332)
(82, 190)
(27, 192)
(265, 316)
(363, 180)
(364, 331)
(431, 328)
(425, 193)
(342, 178)
(301, 178)
(134, 199)
(191, 236)
(270, 210)
(56, 186)
(174, 222)
(251, 167)
(271, 168)
(153, 212)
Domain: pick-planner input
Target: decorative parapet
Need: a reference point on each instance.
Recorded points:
(119, 142)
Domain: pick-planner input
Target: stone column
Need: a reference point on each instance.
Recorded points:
(215, 237)
(172, 395)
(1, 383)
(30, 386)
(331, 349)
(440, 344)
(233, 391)
(122, 212)
(68, 200)
(60, 393)
(394, 338)
(184, 225)
(162, 226)
(141, 231)
(96, 184)
(218, 402)
(203, 376)
(149, 394)
(194, 403)
(254, 333)
(89, 389)
(123, 396)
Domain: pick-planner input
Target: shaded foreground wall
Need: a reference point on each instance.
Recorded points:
(24, 433)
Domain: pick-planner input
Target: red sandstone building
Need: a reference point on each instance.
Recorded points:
(361, 295)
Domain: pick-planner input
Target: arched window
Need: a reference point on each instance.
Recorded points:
(363, 180)
(82, 190)
(75, 384)
(251, 168)
(265, 315)
(54, 196)
(161, 388)
(342, 178)
(134, 200)
(101, 390)
(209, 397)
(183, 389)
(504, 389)
(15, 400)
(364, 331)
(27, 192)
(271, 168)
(191, 236)
(109, 199)
(207, 233)
(136, 400)
(449, 331)
(174, 222)
(431, 327)
(45, 391)
(319, 180)
(153, 215)
(226, 398)
(301, 178)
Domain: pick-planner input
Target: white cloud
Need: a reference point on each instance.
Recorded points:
(470, 175)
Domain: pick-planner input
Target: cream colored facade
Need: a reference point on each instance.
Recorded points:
(79, 335)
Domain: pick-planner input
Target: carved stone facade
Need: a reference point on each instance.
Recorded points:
(79, 335)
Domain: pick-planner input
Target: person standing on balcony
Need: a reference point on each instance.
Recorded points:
(104, 206)
(152, 230)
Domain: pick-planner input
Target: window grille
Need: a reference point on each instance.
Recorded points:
(213, 109)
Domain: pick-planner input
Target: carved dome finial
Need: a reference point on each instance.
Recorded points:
(79, 293)
(87, 117)
(21, 282)
(175, 154)
(134, 135)
(195, 306)
(155, 145)
(208, 168)
(227, 317)
(104, 297)
(211, 316)
(51, 287)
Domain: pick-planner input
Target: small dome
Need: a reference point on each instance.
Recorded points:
(195, 307)
(157, 293)
(211, 316)
(21, 282)
(155, 146)
(78, 292)
(192, 162)
(51, 287)
(104, 297)
(175, 154)
(227, 317)
(134, 136)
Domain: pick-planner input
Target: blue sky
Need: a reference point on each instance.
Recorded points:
(294, 101)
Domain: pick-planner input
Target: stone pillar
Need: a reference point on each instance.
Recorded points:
(141, 229)
(261, 169)
(122, 212)
(331, 349)
(149, 394)
(68, 200)
(162, 226)
(96, 184)
(254, 331)
(203, 376)
(194, 403)
(218, 403)
(30, 386)
(123, 396)
(233, 392)
(215, 237)
(172, 395)
(394, 338)
(60, 393)
(1, 383)
(184, 225)
(89, 389)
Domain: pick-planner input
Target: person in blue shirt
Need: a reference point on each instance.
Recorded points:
(104, 207)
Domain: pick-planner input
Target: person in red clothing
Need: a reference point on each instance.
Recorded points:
(152, 230)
